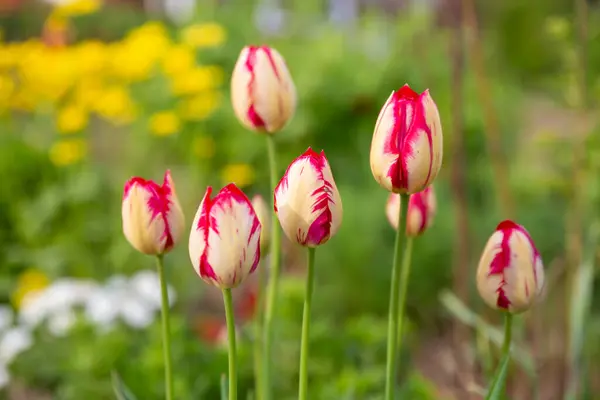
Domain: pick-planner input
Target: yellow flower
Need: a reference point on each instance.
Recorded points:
(77, 7)
(201, 106)
(197, 80)
(116, 105)
(70, 119)
(240, 174)
(204, 35)
(165, 123)
(178, 59)
(7, 87)
(29, 283)
(204, 147)
(68, 152)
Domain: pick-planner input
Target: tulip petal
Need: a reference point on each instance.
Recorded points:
(152, 216)
(510, 273)
(224, 243)
(406, 151)
(307, 201)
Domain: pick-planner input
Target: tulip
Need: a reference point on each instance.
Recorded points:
(152, 217)
(264, 217)
(406, 151)
(421, 211)
(225, 239)
(262, 91)
(307, 201)
(510, 275)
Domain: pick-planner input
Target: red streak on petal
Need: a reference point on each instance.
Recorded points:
(406, 133)
(508, 224)
(418, 203)
(256, 120)
(500, 262)
(205, 223)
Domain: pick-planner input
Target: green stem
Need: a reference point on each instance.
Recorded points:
(392, 340)
(497, 387)
(258, 334)
(404, 276)
(274, 270)
(231, 341)
(304, 344)
(166, 328)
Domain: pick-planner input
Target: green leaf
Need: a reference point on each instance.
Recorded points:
(497, 388)
(121, 391)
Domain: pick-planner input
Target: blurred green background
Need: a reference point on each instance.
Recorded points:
(92, 94)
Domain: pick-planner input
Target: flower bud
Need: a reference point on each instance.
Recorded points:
(406, 150)
(510, 275)
(152, 217)
(262, 91)
(421, 211)
(225, 239)
(307, 201)
(264, 216)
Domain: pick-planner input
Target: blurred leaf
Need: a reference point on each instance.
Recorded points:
(461, 312)
(121, 391)
(224, 388)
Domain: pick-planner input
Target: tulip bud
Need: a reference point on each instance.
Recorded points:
(152, 217)
(421, 211)
(307, 201)
(264, 217)
(406, 151)
(262, 91)
(225, 239)
(510, 275)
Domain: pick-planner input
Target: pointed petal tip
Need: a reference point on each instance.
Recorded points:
(507, 224)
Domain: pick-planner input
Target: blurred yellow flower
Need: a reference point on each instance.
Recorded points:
(204, 35)
(241, 174)
(71, 118)
(77, 7)
(91, 56)
(116, 105)
(197, 80)
(165, 123)
(178, 59)
(204, 147)
(201, 106)
(7, 87)
(68, 152)
(29, 283)
(87, 93)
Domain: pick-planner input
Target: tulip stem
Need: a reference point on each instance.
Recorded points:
(271, 299)
(394, 314)
(166, 328)
(231, 343)
(404, 276)
(497, 387)
(258, 335)
(304, 344)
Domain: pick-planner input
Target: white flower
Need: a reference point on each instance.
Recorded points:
(147, 285)
(102, 308)
(13, 342)
(136, 312)
(4, 376)
(60, 324)
(6, 318)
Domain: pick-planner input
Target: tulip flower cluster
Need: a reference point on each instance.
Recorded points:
(230, 233)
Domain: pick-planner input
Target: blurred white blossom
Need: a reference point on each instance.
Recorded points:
(13, 342)
(6, 318)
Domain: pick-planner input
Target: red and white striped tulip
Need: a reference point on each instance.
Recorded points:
(307, 201)
(225, 239)
(406, 150)
(152, 217)
(510, 275)
(264, 216)
(262, 90)
(421, 211)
